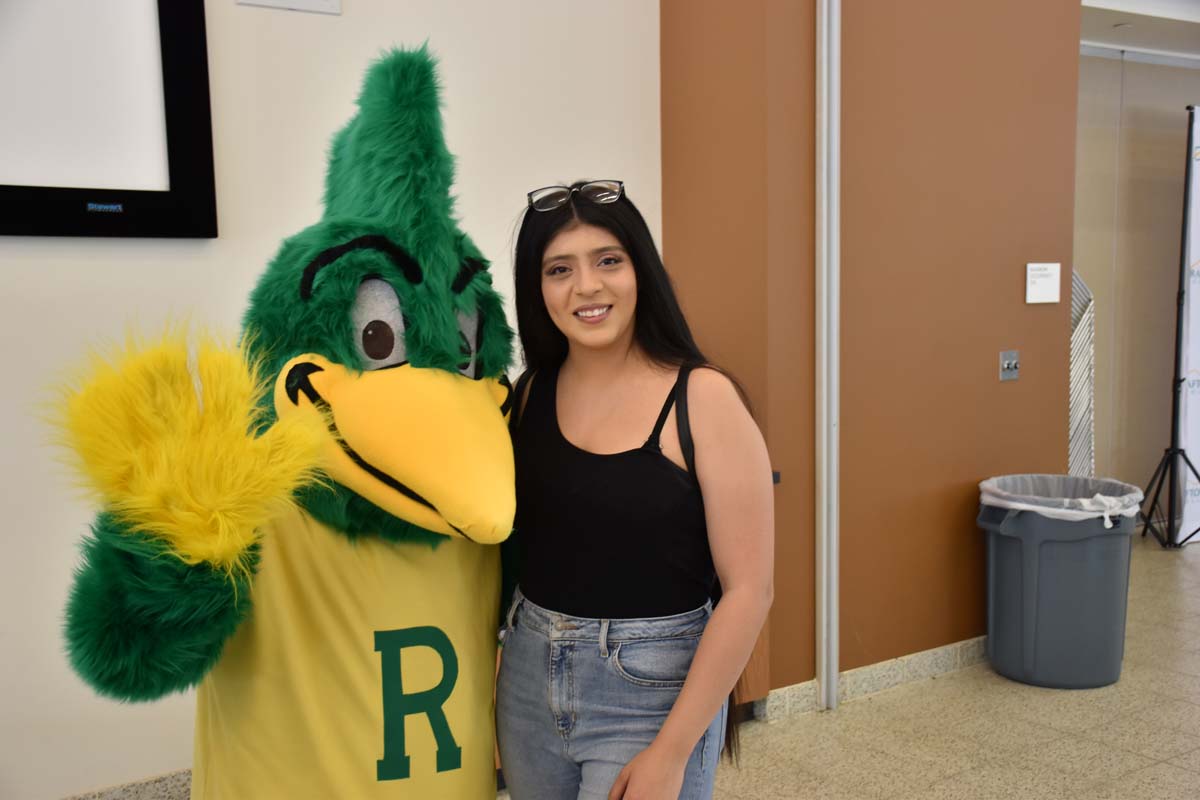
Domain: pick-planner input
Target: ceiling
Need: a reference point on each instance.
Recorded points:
(1140, 32)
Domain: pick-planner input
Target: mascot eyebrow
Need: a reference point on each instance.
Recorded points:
(410, 268)
(470, 268)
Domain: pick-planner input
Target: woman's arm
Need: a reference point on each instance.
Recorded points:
(735, 479)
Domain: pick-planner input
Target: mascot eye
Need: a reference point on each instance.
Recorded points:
(378, 340)
(468, 342)
(378, 325)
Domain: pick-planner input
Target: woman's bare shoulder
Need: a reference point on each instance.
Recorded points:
(710, 388)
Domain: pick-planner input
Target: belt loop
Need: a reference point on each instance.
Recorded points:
(512, 609)
(604, 638)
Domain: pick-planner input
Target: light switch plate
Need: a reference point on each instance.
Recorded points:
(318, 6)
(1010, 365)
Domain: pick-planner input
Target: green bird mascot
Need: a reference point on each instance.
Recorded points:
(305, 525)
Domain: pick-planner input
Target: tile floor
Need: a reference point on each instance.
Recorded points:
(973, 735)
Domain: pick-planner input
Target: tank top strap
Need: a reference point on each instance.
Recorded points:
(653, 442)
(517, 400)
(683, 423)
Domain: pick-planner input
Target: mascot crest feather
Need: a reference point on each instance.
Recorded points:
(304, 525)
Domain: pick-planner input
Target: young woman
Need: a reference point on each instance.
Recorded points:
(643, 493)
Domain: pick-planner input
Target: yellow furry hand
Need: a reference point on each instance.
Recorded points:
(172, 448)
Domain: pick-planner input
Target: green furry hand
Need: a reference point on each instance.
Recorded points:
(178, 452)
(141, 623)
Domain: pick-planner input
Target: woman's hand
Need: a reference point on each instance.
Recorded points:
(653, 774)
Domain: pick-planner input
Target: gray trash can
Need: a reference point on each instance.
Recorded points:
(1058, 577)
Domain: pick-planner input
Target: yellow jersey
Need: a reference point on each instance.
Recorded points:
(363, 670)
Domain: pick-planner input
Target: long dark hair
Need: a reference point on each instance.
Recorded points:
(659, 327)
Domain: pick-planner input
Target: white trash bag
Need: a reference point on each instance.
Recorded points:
(1064, 497)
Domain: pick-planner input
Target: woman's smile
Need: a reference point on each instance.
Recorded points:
(593, 314)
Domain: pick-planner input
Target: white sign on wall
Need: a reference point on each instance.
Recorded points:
(1042, 283)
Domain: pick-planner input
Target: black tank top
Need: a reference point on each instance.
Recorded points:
(608, 536)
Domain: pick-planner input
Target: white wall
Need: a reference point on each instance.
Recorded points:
(535, 92)
(1130, 156)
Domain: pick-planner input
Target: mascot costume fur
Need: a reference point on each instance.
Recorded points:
(305, 525)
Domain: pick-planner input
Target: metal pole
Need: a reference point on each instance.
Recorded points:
(1174, 501)
(828, 300)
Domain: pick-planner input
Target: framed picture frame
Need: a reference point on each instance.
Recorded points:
(187, 207)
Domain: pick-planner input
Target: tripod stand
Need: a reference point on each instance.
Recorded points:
(1167, 475)
(1170, 470)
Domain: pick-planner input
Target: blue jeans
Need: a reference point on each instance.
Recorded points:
(578, 698)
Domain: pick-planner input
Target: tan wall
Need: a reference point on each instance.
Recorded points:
(737, 122)
(958, 168)
(1131, 148)
(791, 353)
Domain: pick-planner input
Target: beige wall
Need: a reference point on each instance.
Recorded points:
(1131, 143)
(525, 105)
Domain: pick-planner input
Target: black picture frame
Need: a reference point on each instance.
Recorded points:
(188, 209)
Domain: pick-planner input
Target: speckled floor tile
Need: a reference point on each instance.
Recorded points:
(1083, 760)
(1157, 782)
(948, 751)
(882, 775)
(943, 701)
(1168, 683)
(1189, 761)
(748, 783)
(980, 736)
(1184, 661)
(1182, 612)
(1003, 735)
(1080, 710)
(173, 786)
(1144, 737)
(1001, 779)
(1176, 715)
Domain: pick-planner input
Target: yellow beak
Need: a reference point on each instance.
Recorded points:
(429, 446)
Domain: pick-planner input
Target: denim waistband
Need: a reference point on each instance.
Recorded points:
(564, 627)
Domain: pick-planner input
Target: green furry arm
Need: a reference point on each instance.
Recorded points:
(188, 478)
(140, 622)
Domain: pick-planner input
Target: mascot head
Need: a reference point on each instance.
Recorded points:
(382, 320)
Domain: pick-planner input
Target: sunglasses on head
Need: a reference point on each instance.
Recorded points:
(549, 198)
